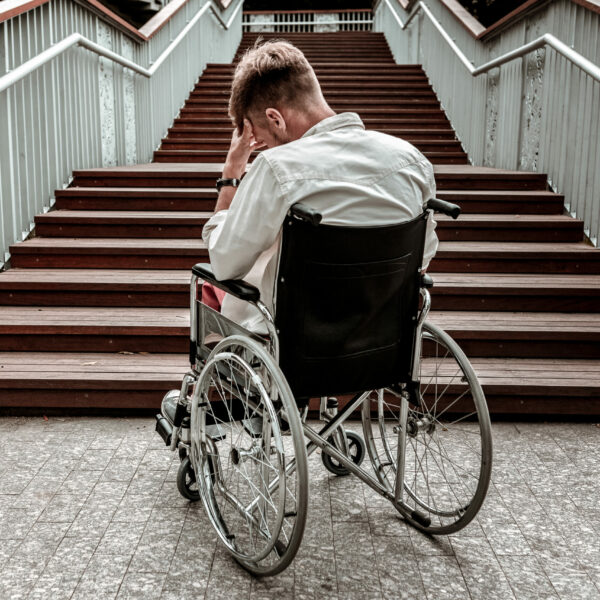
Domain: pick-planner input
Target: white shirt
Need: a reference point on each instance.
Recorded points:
(353, 177)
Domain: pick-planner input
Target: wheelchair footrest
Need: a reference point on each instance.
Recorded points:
(164, 429)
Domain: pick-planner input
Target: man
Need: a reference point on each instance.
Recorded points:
(353, 177)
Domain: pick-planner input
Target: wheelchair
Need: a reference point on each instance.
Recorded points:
(350, 331)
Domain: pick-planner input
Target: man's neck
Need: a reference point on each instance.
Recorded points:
(302, 122)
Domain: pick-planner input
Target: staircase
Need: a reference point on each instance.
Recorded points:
(95, 307)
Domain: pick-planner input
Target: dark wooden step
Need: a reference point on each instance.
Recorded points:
(505, 202)
(181, 175)
(172, 224)
(95, 287)
(218, 156)
(364, 93)
(222, 83)
(510, 228)
(151, 175)
(425, 145)
(540, 386)
(224, 133)
(522, 386)
(121, 224)
(433, 120)
(130, 198)
(468, 177)
(522, 334)
(516, 257)
(88, 380)
(108, 253)
(520, 292)
(96, 329)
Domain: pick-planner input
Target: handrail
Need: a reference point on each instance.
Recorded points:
(545, 40)
(76, 39)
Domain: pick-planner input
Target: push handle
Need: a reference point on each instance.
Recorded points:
(452, 210)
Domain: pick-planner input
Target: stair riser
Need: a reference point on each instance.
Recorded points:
(182, 204)
(162, 181)
(364, 93)
(116, 399)
(164, 157)
(527, 348)
(224, 135)
(219, 83)
(170, 343)
(506, 206)
(165, 299)
(219, 107)
(424, 146)
(435, 120)
(441, 301)
(521, 302)
(446, 232)
(530, 182)
(349, 85)
(108, 261)
(442, 263)
(120, 231)
(158, 204)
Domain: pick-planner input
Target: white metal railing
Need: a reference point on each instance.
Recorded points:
(76, 92)
(534, 107)
(309, 21)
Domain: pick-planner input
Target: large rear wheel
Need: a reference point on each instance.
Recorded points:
(448, 449)
(252, 479)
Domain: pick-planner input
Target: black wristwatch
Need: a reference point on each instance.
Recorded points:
(221, 183)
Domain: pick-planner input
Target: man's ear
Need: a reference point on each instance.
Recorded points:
(275, 118)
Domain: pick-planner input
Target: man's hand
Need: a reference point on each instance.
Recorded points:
(242, 145)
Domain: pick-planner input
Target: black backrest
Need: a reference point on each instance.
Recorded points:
(347, 301)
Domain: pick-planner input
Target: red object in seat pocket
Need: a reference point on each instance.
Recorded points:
(212, 296)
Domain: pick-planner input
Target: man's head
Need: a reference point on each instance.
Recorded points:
(276, 89)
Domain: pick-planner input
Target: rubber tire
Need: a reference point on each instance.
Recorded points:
(185, 478)
(354, 441)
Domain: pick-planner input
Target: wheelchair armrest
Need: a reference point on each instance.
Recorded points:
(236, 287)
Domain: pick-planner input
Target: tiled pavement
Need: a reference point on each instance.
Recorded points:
(89, 510)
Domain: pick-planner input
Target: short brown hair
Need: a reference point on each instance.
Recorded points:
(271, 74)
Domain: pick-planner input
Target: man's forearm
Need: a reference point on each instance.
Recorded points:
(225, 197)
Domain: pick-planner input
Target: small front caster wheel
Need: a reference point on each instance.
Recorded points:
(356, 448)
(186, 480)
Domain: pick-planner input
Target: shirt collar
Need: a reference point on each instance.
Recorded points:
(347, 119)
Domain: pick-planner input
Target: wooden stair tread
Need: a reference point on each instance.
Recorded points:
(136, 191)
(503, 220)
(123, 216)
(104, 321)
(519, 325)
(521, 249)
(514, 283)
(109, 245)
(63, 371)
(94, 279)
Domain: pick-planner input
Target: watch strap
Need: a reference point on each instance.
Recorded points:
(223, 182)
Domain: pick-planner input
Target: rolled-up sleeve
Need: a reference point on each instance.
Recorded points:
(431, 238)
(236, 237)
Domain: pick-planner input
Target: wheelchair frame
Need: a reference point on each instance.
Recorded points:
(331, 439)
